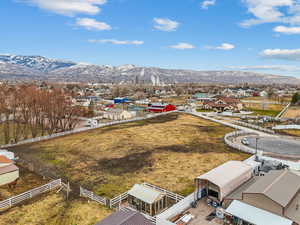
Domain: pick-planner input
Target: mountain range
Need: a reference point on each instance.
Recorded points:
(16, 67)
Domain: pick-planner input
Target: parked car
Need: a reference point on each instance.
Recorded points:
(245, 141)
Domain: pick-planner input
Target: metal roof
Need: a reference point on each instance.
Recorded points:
(4, 159)
(279, 185)
(255, 215)
(145, 193)
(125, 217)
(8, 169)
(228, 176)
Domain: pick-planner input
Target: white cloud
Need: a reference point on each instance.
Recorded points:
(69, 7)
(272, 11)
(92, 24)
(207, 3)
(117, 42)
(267, 67)
(287, 30)
(165, 24)
(287, 54)
(182, 46)
(224, 46)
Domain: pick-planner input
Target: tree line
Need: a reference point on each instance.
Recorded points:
(27, 111)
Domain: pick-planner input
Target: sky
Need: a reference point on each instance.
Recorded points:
(248, 35)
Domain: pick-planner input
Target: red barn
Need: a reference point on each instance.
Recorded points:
(160, 107)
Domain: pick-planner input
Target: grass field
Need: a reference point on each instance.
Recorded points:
(176, 100)
(168, 151)
(264, 110)
(292, 112)
(52, 209)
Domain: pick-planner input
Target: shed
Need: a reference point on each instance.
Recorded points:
(146, 199)
(242, 212)
(8, 174)
(224, 179)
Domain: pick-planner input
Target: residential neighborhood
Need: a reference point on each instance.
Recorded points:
(143, 112)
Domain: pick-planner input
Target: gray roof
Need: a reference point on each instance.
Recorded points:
(125, 217)
(279, 185)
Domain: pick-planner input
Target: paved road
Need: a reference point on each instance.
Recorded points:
(276, 145)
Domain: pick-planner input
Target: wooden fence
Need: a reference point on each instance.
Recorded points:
(8, 203)
(170, 194)
(118, 200)
(91, 195)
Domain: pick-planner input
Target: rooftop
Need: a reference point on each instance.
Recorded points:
(145, 193)
(255, 215)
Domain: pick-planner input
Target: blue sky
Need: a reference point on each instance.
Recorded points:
(255, 35)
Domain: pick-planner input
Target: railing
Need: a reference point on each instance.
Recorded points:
(8, 203)
(283, 111)
(238, 146)
(91, 195)
(170, 194)
(43, 138)
(118, 200)
(255, 127)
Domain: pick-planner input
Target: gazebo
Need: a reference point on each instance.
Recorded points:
(146, 199)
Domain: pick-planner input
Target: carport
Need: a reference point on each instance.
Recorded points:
(222, 180)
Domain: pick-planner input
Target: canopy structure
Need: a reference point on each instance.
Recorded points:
(255, 215)
(227, 177)
(144, 193)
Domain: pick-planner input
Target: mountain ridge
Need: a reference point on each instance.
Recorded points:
(42, 68)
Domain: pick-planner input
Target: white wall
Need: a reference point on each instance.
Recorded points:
(184, 204)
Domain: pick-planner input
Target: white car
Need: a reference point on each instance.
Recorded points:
(245, 141)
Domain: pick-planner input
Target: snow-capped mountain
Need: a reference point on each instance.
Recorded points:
(38, 63)
(41, 68)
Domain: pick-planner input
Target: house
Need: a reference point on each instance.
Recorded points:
(125, 217)
(276, 193)
(9, 172)
(147, 200)
(221, 181)
(160, 107)
(263, 94)
(203, 97)
(119, 114)
(223, 104)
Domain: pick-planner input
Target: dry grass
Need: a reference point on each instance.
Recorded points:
(52, 209)
(27, 181)
(291, 132)
(168, 151)
(292, 112)
(176, 100)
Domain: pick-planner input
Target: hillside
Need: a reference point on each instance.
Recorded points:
(40, 68)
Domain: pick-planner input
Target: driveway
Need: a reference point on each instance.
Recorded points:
(277, 145)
